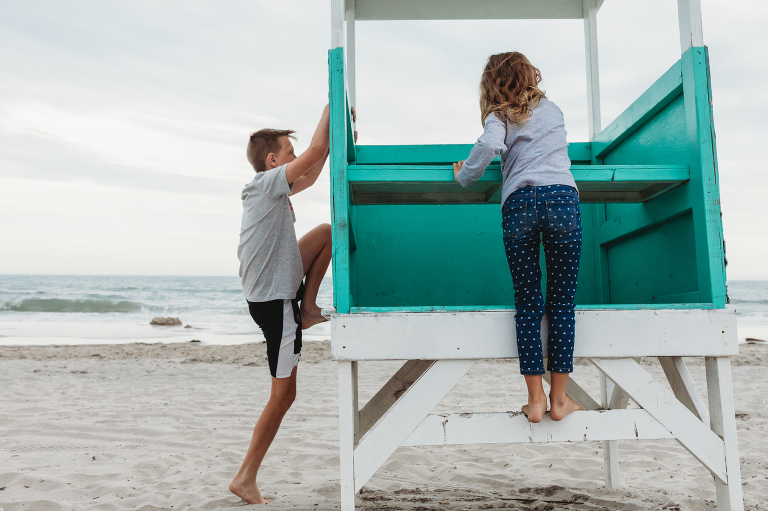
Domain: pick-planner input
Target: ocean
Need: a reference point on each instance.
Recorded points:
(48, 310)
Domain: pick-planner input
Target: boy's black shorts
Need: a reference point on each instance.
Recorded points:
(280, 322)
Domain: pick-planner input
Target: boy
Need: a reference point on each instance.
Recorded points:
(272, 266)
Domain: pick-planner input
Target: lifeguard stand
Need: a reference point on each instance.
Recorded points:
(651, 281)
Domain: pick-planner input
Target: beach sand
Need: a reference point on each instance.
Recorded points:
(165, 426)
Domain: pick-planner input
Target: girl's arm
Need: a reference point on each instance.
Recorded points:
(488, 146)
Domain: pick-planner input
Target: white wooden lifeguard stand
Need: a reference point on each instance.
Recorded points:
(635, 202)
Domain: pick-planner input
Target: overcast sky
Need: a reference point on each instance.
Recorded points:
(123, 125)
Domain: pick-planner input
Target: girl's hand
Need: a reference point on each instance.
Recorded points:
(456, 169)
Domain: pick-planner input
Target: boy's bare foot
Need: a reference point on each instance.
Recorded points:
(536, 407)
(311, 316)
(559, 409)
(249, 492)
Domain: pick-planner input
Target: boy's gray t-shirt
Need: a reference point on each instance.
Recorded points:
(533, 153)
(270, 261)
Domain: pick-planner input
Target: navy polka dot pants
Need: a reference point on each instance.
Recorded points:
(548, 215)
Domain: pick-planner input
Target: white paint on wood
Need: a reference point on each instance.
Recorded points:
(689, 17)
(350, 52)
(681, 382)
(462, 9)
(347, 413)
(514, 427)
(377, 406)
(692, 434)
(337, 24)
(405, 415)
(491, 334)
(723, 421)
(590, 9)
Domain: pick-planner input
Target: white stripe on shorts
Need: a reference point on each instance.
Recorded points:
(287, 359)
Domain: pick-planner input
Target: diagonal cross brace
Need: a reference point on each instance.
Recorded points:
(692, 434)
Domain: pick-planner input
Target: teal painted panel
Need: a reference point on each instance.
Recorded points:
(657, 262)
(439, 256)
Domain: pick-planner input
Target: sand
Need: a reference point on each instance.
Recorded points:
(165, 426)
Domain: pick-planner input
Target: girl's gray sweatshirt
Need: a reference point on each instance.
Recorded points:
(533, 153)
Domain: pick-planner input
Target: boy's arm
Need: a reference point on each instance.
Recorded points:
(315, 153)
(310, 177)
(312, 174)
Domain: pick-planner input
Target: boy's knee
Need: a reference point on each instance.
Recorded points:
(326, 230)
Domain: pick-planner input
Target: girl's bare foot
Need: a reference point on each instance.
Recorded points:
(560, 408)
(248, 491)
(311, 316)
(536, 407)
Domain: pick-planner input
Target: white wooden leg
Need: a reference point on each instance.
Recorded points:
(405, 415)
(692, 434)
(610, 447)
(347, 422)
(723, 421)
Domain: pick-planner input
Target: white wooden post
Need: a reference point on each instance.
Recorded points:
(337, 23)
(689, 17)
(610, 447)
(723, 421)
(347, 432)
(350, 51)
(590, 8)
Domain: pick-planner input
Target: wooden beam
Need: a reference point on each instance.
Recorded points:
(461, 9)
(590, 8)
(441, 154)
(347, 422)
(514, 427)
(405, 415)
(723, 422)
(337, 24)
(391, 392)
(689, 18)
(599, 333)
(683, 387)
(689, 431)
(351, 82)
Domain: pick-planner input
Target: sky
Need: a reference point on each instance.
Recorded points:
(123, 124)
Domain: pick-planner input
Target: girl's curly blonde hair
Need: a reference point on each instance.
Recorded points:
(509, 88)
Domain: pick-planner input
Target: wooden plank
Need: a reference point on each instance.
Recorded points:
(689, 431)
(420, 174)
(653, 100)
(337, 24)
(391, 392)
(441, 154)
(339, 186)
(351, 78)
(599, 333)
(683, 387)
(514, 427)
(576, 392)
(590, 8)
(723, 422)
(462, 10)
(689, 19)
(705, 192)
(405, 415)
(650, 214)
(347, 419)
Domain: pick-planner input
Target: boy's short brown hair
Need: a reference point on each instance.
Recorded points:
(262, 143)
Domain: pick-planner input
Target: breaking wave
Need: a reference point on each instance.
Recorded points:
(62, 305)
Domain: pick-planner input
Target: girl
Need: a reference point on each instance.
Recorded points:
(539, 202)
